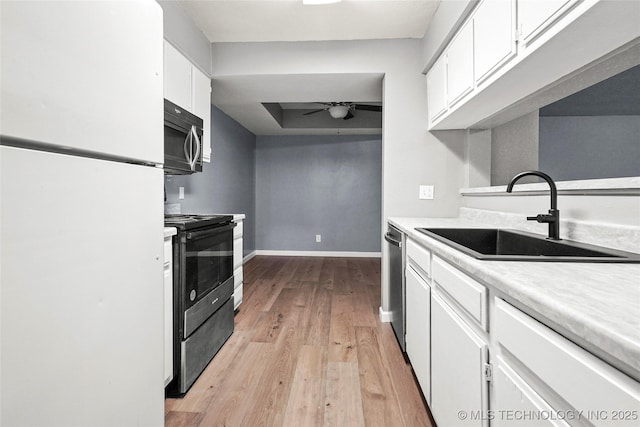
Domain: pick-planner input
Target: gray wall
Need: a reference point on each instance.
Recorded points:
(327, 185)
(590, 147)
(227, 184)
(514, 148)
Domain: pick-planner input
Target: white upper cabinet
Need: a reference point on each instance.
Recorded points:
(177, 77)
(508, 50)
(437, 88)
(534, 16)
(201, 96)
(494, 41)
(188, 87)
(460, 65)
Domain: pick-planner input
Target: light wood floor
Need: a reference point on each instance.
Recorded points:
(308, 349)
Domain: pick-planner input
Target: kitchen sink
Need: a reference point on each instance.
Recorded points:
(511, 245)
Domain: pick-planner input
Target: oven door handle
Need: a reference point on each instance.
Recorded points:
(209, 231)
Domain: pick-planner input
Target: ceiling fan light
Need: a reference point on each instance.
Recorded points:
(338, 111)
(316, 2)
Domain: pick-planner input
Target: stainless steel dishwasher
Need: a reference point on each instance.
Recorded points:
(396, 283)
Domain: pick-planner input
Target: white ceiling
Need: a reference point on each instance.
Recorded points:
(290, 20)
(241, 97)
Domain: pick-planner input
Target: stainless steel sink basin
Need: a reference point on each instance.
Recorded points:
(511, 245)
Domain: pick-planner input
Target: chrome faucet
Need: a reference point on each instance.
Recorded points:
(553, 217)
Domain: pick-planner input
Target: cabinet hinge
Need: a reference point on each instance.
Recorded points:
(488, 372)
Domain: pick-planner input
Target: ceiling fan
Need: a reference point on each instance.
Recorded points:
(343, 110)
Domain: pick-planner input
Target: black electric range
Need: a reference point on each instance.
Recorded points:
(202, 293)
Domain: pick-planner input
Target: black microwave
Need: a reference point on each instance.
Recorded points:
(182, 140)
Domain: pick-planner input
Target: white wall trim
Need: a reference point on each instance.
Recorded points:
(344, 254)
(248, 257)
(385, 316)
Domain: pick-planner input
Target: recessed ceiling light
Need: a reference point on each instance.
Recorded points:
(316, 2)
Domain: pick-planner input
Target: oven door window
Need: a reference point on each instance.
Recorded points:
(209, 261)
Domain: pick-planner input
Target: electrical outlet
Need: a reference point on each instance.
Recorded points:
(426, 192)
(181, 193)
(318, 238)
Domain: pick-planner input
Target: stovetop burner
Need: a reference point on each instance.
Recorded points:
(189, 221)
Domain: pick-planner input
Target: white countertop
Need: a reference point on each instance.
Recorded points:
(595, 305)
(170, 231)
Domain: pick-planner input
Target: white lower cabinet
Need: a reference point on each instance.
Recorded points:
(238, 279)
(418, 318)
(480, 361)
(459, 390)
(168, 309)
(577, 382)
(517, 403)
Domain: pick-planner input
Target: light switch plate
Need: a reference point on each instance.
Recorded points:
(181, 193)
(426, 192)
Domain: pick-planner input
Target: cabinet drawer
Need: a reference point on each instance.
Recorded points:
(420, 256)
(238, 230)
(469, 294)
(584, 381)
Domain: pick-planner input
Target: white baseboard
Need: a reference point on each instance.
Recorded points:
(344, 254)
(248, 257)
(385, 316)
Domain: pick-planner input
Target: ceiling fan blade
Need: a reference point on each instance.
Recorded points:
(366, 107)
(348, 116)
(313, 112)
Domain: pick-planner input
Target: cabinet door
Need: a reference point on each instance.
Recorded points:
(437, 88)
(535, 16)
(458, 356)
(494, 41)
(562, 365)
(514, 396)
(177, 77)
(168, 323)
(418, 317)
(460, 65)
(201, 96)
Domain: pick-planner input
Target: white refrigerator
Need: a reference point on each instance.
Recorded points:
(81, 214)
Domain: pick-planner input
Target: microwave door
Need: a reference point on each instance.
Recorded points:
(174, 148)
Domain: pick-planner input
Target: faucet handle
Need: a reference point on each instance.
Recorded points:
(541, 218)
